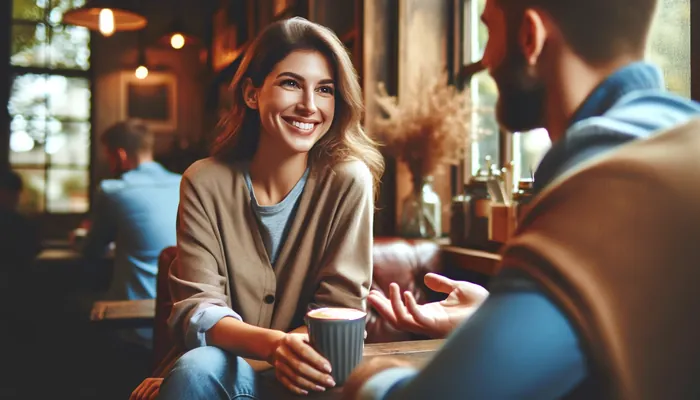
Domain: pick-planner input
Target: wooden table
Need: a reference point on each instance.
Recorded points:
(416, 352)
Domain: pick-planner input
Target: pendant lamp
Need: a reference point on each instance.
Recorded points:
(105, 16)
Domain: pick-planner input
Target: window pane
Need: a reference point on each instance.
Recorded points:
(32, 198)
(530, 148)
(29, 45)
(68, 143)
(70, 47)
(59, 7)
(669, 44)
(484, 96)
(28, 96)
(67, 191)
(32, 10)
(27, 141)
(68, 98)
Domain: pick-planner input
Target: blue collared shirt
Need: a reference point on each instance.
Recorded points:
(137, 212)
(519, 344)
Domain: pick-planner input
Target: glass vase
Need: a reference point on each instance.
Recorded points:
(421, 214)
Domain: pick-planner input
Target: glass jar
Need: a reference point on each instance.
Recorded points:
(421, 215)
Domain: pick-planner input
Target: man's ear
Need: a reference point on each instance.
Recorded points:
(533, 35)
(250, 94)
(122, 156)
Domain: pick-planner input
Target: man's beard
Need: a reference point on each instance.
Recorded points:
(521, 100)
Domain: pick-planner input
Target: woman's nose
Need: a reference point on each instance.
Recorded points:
(307, 103)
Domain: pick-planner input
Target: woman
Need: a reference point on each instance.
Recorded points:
(278, 221)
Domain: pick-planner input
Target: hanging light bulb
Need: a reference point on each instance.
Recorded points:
(106, 16)
(141, 72)
(177, 41)
(106, 22)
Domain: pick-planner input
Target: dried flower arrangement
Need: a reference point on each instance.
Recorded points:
(428, 127)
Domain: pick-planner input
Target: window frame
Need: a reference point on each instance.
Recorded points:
(15, 71)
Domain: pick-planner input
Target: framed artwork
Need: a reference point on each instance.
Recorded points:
(152, 100)
(231, 30)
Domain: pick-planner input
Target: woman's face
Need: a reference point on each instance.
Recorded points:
(296, 101)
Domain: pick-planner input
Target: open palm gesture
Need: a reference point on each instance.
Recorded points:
(435, 319)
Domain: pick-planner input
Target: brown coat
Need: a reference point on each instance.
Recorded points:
(326, 259)
(617, 245)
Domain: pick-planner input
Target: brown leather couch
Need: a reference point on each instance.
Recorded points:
(395, 260)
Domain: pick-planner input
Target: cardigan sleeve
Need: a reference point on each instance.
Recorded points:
(197, 284)
(345, 274)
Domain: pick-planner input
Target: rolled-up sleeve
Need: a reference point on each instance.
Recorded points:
(202, 320)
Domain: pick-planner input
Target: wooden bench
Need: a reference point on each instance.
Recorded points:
(125, 313)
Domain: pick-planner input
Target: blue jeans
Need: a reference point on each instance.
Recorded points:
(209, 373)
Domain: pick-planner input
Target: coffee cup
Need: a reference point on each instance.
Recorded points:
(338, 335)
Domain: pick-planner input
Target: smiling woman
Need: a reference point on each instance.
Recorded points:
(277, 222)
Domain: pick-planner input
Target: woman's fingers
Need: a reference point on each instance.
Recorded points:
(153, 390)
(295, 354)
(299, 344)
(295, 378)
(146, 389)
(288, 384)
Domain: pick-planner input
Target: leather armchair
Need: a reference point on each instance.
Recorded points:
(395, 260)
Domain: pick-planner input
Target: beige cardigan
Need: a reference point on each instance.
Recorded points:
(617, 245)
(326, 259)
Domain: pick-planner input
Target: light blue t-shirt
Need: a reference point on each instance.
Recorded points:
(137, 212)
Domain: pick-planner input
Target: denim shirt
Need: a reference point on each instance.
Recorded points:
(137, 212)
(630, 104)
(519, 344)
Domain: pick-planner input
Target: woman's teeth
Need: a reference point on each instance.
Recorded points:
(303, 125)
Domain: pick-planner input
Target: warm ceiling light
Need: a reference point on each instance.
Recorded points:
(106, 22)
(177, 36)
(141, 72)
(177, 41)
(104, 16)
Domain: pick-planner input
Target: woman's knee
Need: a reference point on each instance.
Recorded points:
(209, 373)
(208, 360)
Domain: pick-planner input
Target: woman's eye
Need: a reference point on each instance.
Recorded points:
(326, 90)
(290, 83)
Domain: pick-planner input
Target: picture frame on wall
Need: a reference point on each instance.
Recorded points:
(152, 100)
(231, 31)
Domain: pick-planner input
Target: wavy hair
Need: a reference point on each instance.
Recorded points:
(345, 140)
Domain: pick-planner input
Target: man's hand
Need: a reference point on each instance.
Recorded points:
(365, 371)
(436, 319)
(299, 367)
(147, 390)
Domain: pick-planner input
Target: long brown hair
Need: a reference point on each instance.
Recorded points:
(344, 141)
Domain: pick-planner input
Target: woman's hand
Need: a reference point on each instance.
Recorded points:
(298, 366)
(147, 390)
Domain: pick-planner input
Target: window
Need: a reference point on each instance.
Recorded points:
(669, 47)
(49, 107)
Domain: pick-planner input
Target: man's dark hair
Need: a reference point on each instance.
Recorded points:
(132, 135)
(597, 30)
(10, 181)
